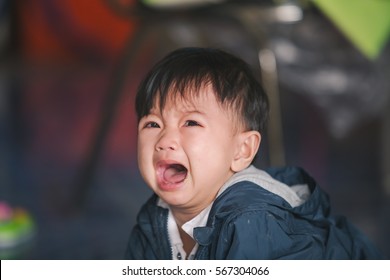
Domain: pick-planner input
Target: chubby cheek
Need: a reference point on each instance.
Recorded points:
(209, 155)
(145, 162)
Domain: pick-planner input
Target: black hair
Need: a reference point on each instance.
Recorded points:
(186, 70)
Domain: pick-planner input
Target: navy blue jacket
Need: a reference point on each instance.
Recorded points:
(249, 222)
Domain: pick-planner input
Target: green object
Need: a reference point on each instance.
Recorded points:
(17, 230)
(365, 22)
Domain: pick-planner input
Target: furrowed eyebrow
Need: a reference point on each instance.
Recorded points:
(194, 112)
(155, 111)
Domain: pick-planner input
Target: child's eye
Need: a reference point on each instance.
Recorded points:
(151, 125)
(191, 123)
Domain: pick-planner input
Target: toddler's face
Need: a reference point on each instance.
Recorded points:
(186, 150)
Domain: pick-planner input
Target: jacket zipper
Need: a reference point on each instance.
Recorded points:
(167, 234)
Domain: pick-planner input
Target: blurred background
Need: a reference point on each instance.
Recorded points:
(69, 183)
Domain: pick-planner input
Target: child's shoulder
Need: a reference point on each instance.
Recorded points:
(288, 193)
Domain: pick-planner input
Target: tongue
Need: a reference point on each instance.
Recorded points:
(175, 173)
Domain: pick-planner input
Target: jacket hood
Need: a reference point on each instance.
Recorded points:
(295, 194)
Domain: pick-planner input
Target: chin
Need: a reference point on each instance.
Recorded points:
(174, 200)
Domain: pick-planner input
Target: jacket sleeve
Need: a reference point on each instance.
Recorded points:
(136, 245)
(264, 235)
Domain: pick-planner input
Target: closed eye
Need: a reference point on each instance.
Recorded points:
(191, 123)
(151, 125)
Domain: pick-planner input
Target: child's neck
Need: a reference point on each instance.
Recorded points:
(181, 218)
(188, 242)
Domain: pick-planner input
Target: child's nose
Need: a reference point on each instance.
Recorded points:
(168, 141)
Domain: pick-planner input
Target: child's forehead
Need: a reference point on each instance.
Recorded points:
(188, 100)
(204, 102)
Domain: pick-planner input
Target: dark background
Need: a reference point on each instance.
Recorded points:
(68, 75)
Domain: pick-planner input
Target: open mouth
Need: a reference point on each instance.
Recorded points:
(172, 173)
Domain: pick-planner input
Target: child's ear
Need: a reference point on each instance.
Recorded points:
(248, 145)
